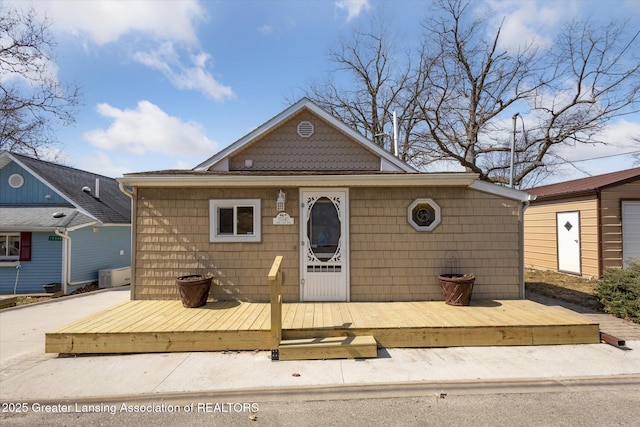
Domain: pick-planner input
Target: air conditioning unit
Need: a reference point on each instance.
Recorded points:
(114, 277)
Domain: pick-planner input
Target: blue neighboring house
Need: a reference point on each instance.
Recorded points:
(58, 225)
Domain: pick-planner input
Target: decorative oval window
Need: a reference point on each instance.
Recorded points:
(16, 180)
(423, 214)
(323, 229)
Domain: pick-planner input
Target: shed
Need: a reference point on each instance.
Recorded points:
(353, 222)
(584, 226)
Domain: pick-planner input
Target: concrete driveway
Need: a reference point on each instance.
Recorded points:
(27, 373)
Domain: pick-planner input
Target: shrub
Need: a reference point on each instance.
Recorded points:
(619, 292)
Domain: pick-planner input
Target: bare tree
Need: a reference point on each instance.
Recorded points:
(31, 98)
(457, 99)
(369, 59)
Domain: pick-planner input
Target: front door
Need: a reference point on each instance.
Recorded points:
(568, 226)
(324, 245)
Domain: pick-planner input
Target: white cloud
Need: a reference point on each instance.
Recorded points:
(353, 7)
(148, 129)
(266, 29)
(107, 21)
(529, 22)
(617, 138)
(99, 162)
(596, 159)
(192, 75)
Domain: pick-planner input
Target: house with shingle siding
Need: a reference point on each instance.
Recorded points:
(353, 222)
(58, 225)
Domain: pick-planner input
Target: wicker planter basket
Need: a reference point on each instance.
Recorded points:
(457, 288)
(194, 290)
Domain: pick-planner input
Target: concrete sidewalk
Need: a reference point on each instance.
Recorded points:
(27, 373)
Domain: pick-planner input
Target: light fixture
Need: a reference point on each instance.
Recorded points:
(282, 198)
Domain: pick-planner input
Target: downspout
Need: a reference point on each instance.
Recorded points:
(66, 259)
(525, 205)
(131, 195)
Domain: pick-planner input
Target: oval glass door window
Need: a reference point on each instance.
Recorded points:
(323, 229)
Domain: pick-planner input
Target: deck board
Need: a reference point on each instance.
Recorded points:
(159, 326)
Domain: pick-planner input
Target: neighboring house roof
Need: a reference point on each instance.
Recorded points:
(583, 186)
(110, 206)
(29, 218)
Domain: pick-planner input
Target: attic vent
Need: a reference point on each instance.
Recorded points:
(305, 129)
(16, 180)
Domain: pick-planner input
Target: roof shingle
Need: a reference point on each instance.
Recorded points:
(584, 185)
(112, 206)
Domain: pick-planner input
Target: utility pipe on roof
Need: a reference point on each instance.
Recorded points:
(513, 150)
(395, 134)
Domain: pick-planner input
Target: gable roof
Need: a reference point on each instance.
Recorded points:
(392, 172)
(584, 185)
(111, 207)
(388, 162)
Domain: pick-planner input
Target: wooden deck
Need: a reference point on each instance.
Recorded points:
(166, 326)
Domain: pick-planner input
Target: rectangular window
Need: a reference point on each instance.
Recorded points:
(234, 220)
(9, 247)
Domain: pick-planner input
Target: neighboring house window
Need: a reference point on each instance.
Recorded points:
(234, 220)
(15, 247)
(423, 214)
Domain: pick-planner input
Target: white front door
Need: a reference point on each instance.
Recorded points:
(324, 245)
(568, 226)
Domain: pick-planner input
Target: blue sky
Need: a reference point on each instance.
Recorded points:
(166, 84)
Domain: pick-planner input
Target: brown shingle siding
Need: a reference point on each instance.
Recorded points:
(389, 260)
(283, 149)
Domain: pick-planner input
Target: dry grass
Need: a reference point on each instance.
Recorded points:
(30, 300)
(573, 289)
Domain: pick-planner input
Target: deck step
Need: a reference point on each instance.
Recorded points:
(351, 347)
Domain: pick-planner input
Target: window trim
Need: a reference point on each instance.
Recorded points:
(436, 209)
(216, 204)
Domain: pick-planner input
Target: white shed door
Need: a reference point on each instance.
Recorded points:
(568, 226)
(630, 232)
(324, 245)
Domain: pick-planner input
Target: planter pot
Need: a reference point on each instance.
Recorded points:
(194, 290)
(457, 288)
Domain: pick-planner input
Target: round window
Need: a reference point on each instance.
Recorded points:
(423, 214)
(16, 180)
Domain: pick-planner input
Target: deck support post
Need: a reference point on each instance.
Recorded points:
(275, 282)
